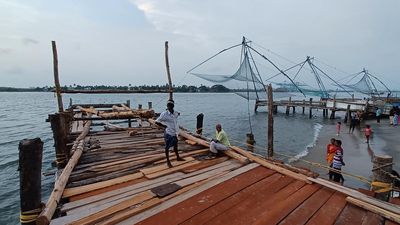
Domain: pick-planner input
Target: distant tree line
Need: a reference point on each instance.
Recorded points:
(181, 88)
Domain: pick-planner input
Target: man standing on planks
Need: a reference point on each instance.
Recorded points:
(169, 120)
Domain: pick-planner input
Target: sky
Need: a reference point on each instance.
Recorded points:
(121, 42)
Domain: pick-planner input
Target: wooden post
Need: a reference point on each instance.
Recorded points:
(199, 124)
(256, 106)
(382, 167)
(168, 72)
(56, 78)
(310, 113)
(334, 108)
(150, 105)
(275, 109)
(70, 103)
(60, 139)
(140, 106)
(128, 103)
(288, 107)
(304, 103)
(270, 123)
(30, 177)
(294, 109)
(348, 115)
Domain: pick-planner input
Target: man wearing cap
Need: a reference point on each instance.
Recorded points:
(221, 142)
(169, 120)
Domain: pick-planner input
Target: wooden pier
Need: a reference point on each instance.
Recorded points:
(119, 176)
(326, 105)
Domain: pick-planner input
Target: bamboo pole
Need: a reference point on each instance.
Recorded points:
(168, 72)
(270, 122)
(30, 176)
(56, 78)
(47, 213)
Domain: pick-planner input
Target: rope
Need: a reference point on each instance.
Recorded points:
(29, 216)
(358, 177)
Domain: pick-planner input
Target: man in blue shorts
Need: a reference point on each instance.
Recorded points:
(169, 120)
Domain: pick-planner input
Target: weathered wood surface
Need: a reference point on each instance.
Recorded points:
(124, 179)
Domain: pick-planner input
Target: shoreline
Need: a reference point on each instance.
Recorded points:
(358, 154)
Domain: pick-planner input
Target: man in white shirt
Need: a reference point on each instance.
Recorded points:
(169, 120)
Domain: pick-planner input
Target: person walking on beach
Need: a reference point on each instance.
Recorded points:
(367, 132)
(378, 113)
(395, 118)
(353, 123)
(221, 141)
(330, 153)
(169, 120)
(391, 115)
(338, 127)
(338, 162)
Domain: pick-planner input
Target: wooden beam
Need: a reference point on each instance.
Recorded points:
(382, 212)
(271, 166)
(270, 122)
(56, 77)
(168, 72)
(355, 194)
(47, 213)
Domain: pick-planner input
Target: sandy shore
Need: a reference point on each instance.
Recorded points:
(357, 153)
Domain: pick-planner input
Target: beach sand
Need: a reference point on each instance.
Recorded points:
(357, 153)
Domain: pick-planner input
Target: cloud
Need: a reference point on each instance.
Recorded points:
(29, 41)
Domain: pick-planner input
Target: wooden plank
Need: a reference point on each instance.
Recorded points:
(171, 170)
(330, 210)
(96, 217)
(106, 189)
(307, 209)
(355, 194)
(145, 185)
(281, 209)
(387, 214)
(167, 204)
(159, 168)
(262, 202)
(351, 214)
(204, 164)
(372, 219)
(267, 186)
(79, 190)
(271, 166)
(184, 210)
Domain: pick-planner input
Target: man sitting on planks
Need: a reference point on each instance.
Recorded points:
(170, 119)
(221, 142)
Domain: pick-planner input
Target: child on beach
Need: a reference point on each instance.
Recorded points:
(330, 153)
(367, 132)
(338, 126)
(338, 162)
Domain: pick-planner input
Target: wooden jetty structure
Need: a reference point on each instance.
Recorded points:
(119, 176)
(364, 106)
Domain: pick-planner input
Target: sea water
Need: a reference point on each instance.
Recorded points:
(23, 115)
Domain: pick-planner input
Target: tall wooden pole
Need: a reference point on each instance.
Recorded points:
(168, 72)
(270, 122)
(56, 79)
(30, 176)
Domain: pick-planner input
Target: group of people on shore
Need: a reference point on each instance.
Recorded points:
(334, 158)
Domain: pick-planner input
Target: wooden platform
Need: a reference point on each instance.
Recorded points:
(122, 179)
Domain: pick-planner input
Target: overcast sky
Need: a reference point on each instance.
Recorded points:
(121, 42)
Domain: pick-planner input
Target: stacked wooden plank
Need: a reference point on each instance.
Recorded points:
(124, 179)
